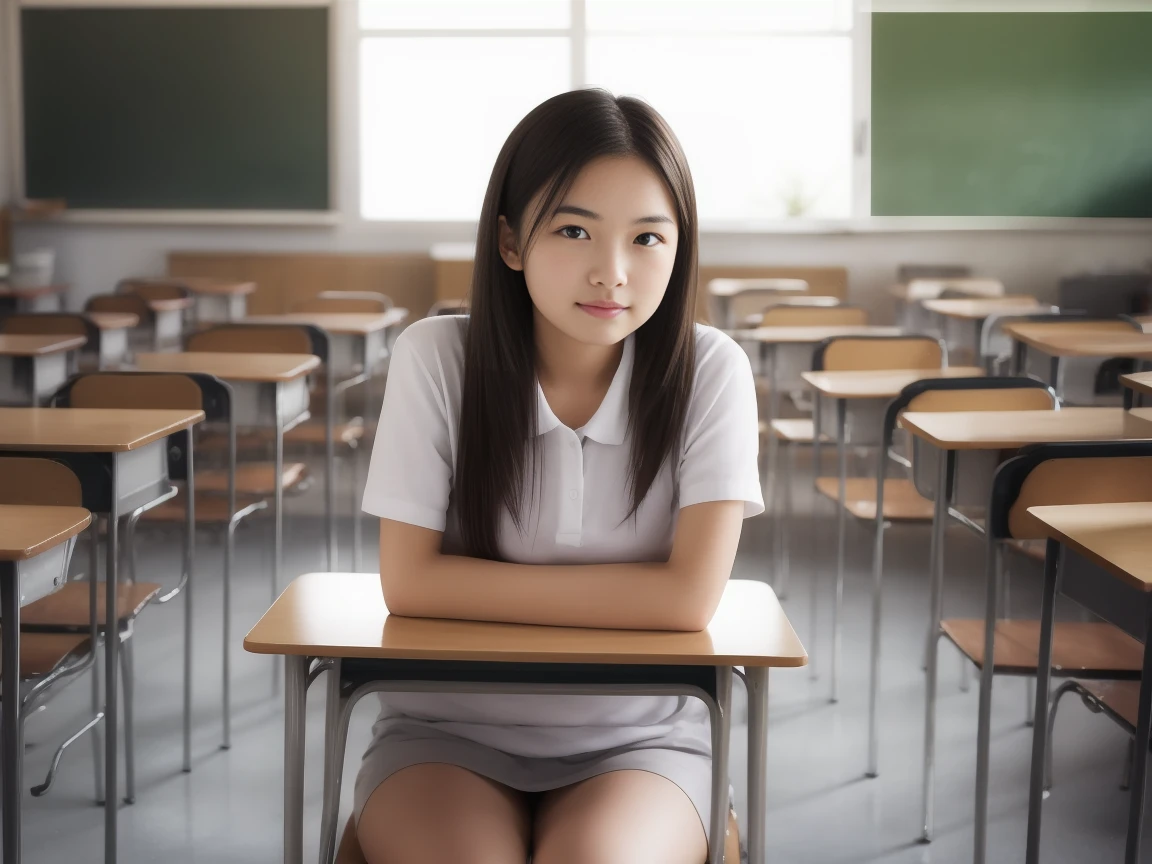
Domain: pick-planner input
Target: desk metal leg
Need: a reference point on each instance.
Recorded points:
(721, 729)
(841, 540)
(1140, 762)
(330, 466)
(11, 730)
(1040, 731)
(782, 513)
(984, 714)
(757, 683)
(278, 529)
(189, 565)
(936, 581)
(814, 577)
(877, 578)
(111, 680)
(768, 353)
(295, 700)
(229, 548)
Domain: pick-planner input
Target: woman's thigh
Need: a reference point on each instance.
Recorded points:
(630, 817)
(443, 814)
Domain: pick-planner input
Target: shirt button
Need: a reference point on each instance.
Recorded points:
(573, 494)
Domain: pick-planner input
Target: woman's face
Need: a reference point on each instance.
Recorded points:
(599, 267)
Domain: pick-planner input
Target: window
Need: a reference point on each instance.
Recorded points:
(759, 91)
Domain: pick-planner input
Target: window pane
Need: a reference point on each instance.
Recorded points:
(464, 14)
(732, 15)
(426, 152)
(765, 121)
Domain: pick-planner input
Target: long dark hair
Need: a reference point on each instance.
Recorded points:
(544, 154)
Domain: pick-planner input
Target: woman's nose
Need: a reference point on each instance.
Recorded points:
(609, 269)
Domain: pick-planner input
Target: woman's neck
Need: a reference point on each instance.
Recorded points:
(564, 362)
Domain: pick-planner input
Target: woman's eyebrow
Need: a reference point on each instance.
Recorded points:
(588, 214)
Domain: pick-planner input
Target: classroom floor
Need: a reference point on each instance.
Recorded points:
(821, 808)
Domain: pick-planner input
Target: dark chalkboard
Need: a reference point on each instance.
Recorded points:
(177, 108)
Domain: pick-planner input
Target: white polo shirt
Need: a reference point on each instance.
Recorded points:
(578, 517)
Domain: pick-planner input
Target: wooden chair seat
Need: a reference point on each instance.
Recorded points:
(252, 478)
(902, 503)
(1078, 647)
(797, 431)
(42, 653)
(349, 852)
(211, 509)
(1122, 698)
(68, 608)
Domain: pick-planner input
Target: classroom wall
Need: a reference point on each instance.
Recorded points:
(92, 258)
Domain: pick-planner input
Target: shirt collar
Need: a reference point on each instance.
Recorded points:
(609, 424)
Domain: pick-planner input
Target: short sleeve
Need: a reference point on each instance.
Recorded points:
(410, 475)
(722, 430)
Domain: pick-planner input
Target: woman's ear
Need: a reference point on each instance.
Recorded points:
(509, 248)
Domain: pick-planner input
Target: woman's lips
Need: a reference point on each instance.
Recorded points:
(602, 311)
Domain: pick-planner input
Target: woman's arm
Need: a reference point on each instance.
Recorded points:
(680, 594)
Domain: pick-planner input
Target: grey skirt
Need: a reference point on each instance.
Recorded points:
(401, 746)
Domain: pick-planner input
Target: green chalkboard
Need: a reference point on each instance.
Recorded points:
(1012, 114)
(177, 108)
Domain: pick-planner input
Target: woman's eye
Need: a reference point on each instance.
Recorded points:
(573, 232)
(648, 239)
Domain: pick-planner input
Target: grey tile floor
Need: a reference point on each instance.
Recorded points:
(821, 808)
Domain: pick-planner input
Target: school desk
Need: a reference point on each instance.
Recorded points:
(32, 367)
(963, 449)
(1115, 542)
(860, 400)
(31, 298)
(1063, 340)
(1141, 383)
(722, 291)
(217, 300)
(121, 459)
(270, 391)
(967, 315)
(35, 546)
(338, 621)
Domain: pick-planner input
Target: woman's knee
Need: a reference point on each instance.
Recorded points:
(444, 814)
(630, 817)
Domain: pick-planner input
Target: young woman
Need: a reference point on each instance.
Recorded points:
(576, 452)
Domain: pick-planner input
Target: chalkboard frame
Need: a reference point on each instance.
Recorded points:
(320, 216)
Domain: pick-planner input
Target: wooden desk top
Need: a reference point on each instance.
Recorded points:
(1141, 382)
(265, 368)
(1118, 537)
(343, 615)
(33, 345)
(213, 286)
(89, 430)
(998, 430)
(113, 320)
(27, 531)
(881, 384)
(27, 292)
(732, 287)
(1082, 338)
(809, 335)
(340, 323)
(172, 305)
(979, 308)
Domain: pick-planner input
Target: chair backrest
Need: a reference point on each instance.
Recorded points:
(159, 289)
(1076, 473)
(380, 302)
(130, 302)
(252, 339)
(907, 272)
(448, 307)
(39, 483)
(860, 353)
(789, 315)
